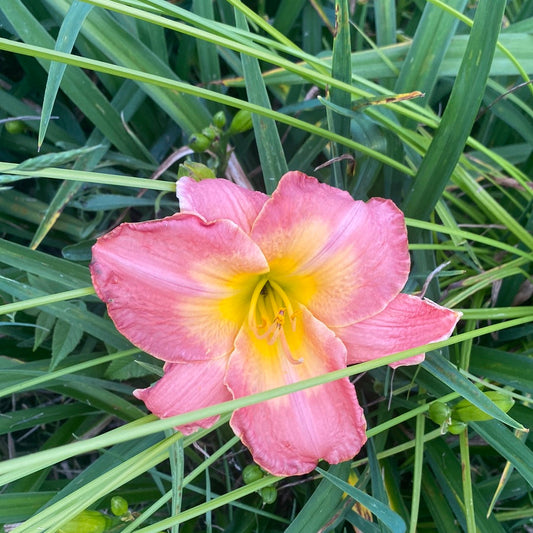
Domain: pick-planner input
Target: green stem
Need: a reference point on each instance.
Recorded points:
(417, 471)
(467, 482)
(48, 376)
(45, 300)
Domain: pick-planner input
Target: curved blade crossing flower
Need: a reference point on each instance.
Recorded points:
(240, 293)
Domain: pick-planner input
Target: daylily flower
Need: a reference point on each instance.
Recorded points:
(241, 292)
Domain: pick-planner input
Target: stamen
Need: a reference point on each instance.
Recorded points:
(274, 306)
(275, 332)
(253, 303)
(269, 308)
(287, 351)
(286, 302)
(263, 314)
(275, 328)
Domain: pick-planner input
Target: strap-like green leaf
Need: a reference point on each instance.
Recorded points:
(511, 369)
(207, 52)
(341, 69)
(447, 470)
(385, 13)
(508, 445)
(429, 47)
(115, 41)
(70, 313)
(271, 155)
(382, 511)
(463, 105)
(65, 41)
(322, 505)
(75, 84)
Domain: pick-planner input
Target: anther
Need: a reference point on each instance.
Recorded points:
(274, 330)
(286, 302)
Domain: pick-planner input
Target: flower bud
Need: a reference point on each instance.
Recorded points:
(456, 427)
(86, 522)
(199, 142)
(211, 132)
(465, 411)
(119, 505)
(219, 119)
(241, 122)
(13, 127)
(196, 171)
(251, 473)
(439, 412)
(269, 494)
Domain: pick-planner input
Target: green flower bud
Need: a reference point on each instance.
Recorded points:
(211, 133)
(119, 505)
(439, 412)
(456, 427)
(219, 120)
(196, 171)
(86, 522)
(269, 494)
(13, 127)
(465, 411)
(251, 473)
(241, 122)
(199, 142)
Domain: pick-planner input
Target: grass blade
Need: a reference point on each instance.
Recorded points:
(322, 505)
(380, 510)
(442, 516)
(385, 13)
(127, 101)
(508, 445)
(95, 325)
(417, 474)
(287, 14)
(447, 470)
(511, 369)
(85, 95)
(271, 155)
(65, 42)
(116, 42)
(207, 52)
(428, 49)
(463, 105)
(467, 482)
(341, 70)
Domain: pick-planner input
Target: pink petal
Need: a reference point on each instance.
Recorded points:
(186, 387)
(218, 198)
(290, 434)
(407, 322)
(344, 260)
(177, 288)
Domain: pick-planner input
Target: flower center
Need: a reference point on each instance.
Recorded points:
(270, 312)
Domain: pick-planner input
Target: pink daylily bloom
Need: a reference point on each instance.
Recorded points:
(241, 293)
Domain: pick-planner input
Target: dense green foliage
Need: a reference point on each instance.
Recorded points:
(113, 128)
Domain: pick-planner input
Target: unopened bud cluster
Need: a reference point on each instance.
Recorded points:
(96, 522)
(212, 134)
(253, 472)
(455, 419)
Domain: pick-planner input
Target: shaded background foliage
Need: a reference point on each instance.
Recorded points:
(145, 75)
